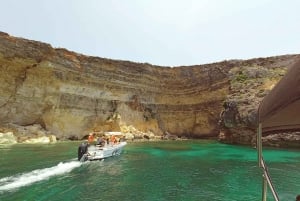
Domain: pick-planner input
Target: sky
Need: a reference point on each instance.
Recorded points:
(159, 32)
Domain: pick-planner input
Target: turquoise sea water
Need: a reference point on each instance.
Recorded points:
(152, 171)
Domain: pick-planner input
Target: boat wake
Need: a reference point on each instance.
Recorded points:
(20, 180)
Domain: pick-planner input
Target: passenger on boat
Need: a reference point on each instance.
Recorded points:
(100, 141)
(91, 138)
(113, 139)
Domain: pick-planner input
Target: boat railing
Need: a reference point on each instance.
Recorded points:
(267, 180)
(265, 175)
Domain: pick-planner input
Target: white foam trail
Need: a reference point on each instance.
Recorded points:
(13, 182)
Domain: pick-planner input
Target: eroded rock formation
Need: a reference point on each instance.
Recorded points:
(70, 94)
(249, 83)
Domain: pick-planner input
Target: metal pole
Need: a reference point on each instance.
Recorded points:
(266, 178)
(259, 144)
(264, 188)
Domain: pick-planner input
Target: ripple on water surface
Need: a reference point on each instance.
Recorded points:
(185, 171)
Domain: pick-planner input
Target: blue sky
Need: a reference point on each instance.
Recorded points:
(160, 32)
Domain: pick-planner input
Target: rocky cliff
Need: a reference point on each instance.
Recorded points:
(70, 94)
(249, 83)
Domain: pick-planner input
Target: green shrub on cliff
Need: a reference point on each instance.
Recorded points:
(241, 77)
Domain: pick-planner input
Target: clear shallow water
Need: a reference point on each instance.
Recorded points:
(158, 171)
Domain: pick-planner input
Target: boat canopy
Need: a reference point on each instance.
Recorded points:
(280, 109)
(278, 112)
(113, 133)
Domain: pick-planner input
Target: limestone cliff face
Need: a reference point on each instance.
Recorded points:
(71, 94)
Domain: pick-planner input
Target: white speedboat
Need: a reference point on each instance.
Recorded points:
(96, 152)
(103, 149)
(91, 152)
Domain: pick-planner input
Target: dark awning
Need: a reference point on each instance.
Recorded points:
(280, 109)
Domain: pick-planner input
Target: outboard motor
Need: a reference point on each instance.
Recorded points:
(82, 149)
